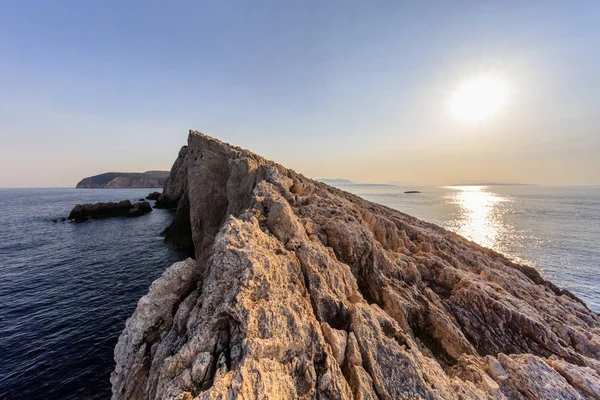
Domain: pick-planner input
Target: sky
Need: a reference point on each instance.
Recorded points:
(332, 89)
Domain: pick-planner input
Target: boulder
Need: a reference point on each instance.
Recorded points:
(143, 206)
(153, 196)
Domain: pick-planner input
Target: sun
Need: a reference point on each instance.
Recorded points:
(478, 99)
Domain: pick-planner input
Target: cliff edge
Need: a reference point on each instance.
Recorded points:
(299, 290)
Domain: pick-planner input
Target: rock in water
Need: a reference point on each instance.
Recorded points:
(83, 212)
(153, 196)
(299, 290)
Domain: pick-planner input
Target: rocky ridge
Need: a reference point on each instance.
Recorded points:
(299, 290)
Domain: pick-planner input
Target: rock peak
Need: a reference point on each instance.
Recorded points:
(300, 290)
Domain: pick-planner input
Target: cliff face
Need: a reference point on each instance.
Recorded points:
(300, 290)
(119, 180)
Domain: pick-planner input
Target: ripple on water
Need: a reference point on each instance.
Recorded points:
(67, 289)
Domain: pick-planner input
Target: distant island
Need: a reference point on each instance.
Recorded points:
(346, 182)
(120, 180)
(336, 182)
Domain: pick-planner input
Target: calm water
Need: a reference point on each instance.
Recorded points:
(66, 289)
(555, 229)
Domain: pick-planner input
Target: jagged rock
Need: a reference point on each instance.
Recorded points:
(83, 212)
(176, 184)
(153, 196)
(143, 328)
(143, 206)
(179, 233)
(300, 290)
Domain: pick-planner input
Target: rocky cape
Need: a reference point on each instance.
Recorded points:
(299, 290)
(120, 180)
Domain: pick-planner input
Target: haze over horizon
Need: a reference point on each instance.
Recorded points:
(370, 93)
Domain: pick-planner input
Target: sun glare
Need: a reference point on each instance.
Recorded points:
(478, 99)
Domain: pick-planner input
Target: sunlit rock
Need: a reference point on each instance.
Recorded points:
(300, 290)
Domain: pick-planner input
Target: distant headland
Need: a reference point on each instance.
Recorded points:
(346, 182)
(120, 180)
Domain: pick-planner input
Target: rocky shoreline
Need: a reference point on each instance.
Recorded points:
(300, 290)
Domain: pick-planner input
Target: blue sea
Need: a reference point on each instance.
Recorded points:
(67, 289)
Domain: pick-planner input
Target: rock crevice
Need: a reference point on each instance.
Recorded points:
(299, 290)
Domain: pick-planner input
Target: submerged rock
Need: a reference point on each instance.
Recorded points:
(299, 290)
(83, 212)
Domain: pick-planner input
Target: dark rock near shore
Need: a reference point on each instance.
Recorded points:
(83, 212)
(412, 191)
(179, 233)
(153, 196)
(143, 206)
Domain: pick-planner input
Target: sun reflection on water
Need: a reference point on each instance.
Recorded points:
(479, 217)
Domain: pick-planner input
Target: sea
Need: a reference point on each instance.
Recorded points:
(66, 289)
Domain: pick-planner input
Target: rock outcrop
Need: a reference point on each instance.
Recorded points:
(299, 290)
(176, 184)
(84, 212)
(153, 196)
(120, 180)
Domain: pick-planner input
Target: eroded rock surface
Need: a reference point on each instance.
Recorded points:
(299, 290)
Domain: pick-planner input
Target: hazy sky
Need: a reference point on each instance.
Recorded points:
(338, 89)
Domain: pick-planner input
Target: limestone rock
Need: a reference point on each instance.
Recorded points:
(299, 290)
